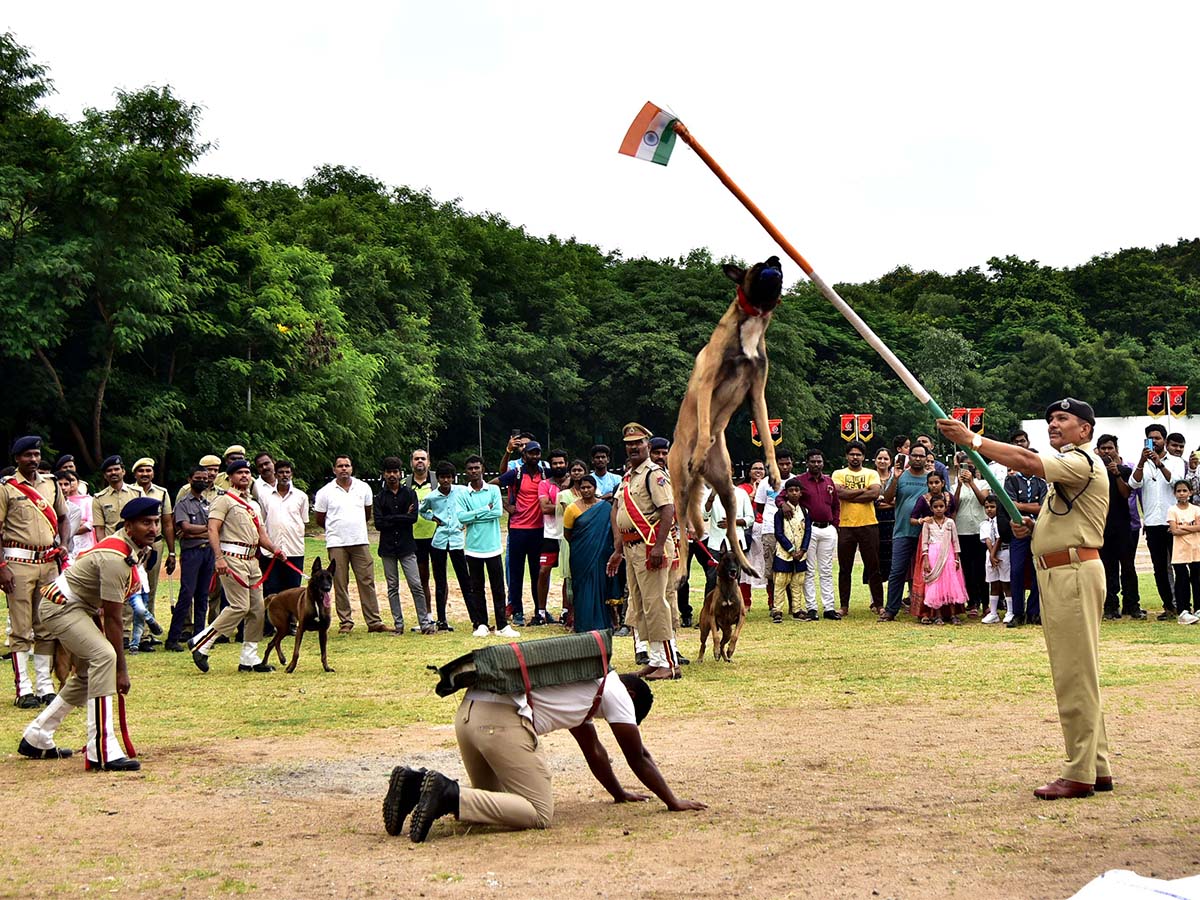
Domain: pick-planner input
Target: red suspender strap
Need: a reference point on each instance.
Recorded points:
(603, 677)
(117, 545)
(36, 498)
(640, 523)
(524, 676)
(246, 506)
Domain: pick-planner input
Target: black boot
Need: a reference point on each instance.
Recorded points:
(404, 790)
(439, 797)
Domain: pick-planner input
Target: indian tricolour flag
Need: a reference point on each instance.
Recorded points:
(651, 135)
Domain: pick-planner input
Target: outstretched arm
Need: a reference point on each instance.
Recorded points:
(600, 763)
(642, 763)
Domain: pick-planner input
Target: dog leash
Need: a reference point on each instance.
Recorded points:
(265, 575)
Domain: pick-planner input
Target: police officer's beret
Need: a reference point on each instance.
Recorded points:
(63, 460)
(237, 450)
(635, 432)
(113, 460)
(210, 460)
(144, 461)
(29, 442)
(139, 507)
(236, 465)
(530, 446)
(1077, 408)
(659, 443)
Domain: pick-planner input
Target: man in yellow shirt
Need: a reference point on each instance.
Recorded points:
(858, 489)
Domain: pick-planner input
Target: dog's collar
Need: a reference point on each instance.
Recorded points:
(745, 306)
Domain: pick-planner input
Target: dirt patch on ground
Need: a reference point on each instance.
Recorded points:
(916, 801)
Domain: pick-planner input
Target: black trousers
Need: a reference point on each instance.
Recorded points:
(1187, 586)
(1159, 541)
(1120, 577)
(441, 586)
(476, 605)
(864, 539)
(974, 569)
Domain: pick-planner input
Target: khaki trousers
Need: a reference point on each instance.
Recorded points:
(244, 603)
(1072, 604)
(24, 625)
(790, 585)
(95, 672)
(359, 558)
(510, 781)
(648, 606)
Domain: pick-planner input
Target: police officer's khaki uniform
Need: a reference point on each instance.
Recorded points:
(1073, 602)
(100, 575)
(28, 537)
(239, 546)
(107, 505)
(650, 491)
(160, 494)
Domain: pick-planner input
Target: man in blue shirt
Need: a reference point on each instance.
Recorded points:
(904, 489)
(606, 481)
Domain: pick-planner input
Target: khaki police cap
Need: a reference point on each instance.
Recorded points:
(635, 432)
(144, 461)
(210, 460)
(236, 449)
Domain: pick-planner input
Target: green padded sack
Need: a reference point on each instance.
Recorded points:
(549, 661)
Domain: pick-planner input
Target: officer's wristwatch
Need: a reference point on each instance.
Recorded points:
(977, 441)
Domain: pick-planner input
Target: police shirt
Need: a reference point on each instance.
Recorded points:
(1071, 477)
(23, 522)
(649, 489)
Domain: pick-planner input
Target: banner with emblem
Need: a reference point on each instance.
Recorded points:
(849, 426)
(1177, 400)
(959, 414)
(776, 426)
(1156, 401)
(974, 420)
(865, 425)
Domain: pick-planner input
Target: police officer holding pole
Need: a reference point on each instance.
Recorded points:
(1066, 550)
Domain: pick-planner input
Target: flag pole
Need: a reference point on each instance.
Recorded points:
(877, 344)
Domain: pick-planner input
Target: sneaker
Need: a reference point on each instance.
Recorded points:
(1166, 615)
(812, 615)
(154, 627)
(508, 631)
(1140, 615)
(641, 659)
(1186, 618)
(518, 619)
(990, 619)
(623, 631)
(481, 632)
(444, 626)
(1008, 617)
(536, 620)
(776, 616)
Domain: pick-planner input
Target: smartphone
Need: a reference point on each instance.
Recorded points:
(901, 460)
(516, 432)
(1149, 443)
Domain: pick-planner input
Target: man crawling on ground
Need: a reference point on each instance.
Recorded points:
(510, 781)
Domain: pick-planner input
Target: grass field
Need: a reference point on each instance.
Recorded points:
(845, 739)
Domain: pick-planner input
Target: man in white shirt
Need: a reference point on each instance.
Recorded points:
(498, 739)
(285, 509)
(1155, 474)
(343, 508)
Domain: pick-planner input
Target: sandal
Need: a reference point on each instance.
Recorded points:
(925, 620)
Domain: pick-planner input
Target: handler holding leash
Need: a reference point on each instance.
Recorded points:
(235, 532)
(510, 781)
(643, 512)
(100, 581)
(1066, 549)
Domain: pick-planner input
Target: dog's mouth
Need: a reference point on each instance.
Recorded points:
(325, 599)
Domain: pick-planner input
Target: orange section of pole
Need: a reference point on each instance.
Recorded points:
(686, 137)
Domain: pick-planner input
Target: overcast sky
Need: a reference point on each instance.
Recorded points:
(875, 135)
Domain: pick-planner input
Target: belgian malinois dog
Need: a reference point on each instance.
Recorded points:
(310, 606)
(730, 368)
(723, 610)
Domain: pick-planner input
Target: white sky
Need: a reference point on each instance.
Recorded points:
(874, 134)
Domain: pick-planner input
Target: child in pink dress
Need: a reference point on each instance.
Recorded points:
(945, 590)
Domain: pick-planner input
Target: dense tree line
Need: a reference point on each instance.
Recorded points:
(153, 310)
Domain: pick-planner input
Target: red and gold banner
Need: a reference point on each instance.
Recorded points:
(1156, 401)
(974, 419)
(959, 413)
(1177, 400)
(849, 426)
(865, 425)
(776, 426)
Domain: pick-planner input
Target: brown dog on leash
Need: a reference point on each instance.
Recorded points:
(310, 606)
(730, 368)
(723, 610)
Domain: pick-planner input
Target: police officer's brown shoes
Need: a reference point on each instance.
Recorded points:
(439, 797)
(1063, 789)
(404, 790)
(659, 674)
(200, 660)
(1103, 783)
(27, 749)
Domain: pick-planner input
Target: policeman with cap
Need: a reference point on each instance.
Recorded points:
(235, 532)
(108, 503)
(232, 453)
(36, 530)
(143, 473)
(643, 513)
(98, 584)
(1066, 548)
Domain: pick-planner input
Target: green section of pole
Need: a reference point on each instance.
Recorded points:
(980, 464)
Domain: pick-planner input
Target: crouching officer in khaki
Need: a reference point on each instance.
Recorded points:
(33, 520)
(235, 532)
(510, 781)
(1066, 550)
(643, 512)
(99, 582)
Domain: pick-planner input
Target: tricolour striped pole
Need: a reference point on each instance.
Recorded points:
(910, 380)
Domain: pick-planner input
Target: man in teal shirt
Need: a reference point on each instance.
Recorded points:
(479, 509)
(904, 488)
(441, 508)
(423, 530)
